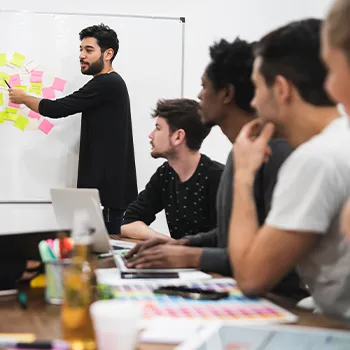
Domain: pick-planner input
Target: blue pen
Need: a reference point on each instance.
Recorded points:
(45, 252)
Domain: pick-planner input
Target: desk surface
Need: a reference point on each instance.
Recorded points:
(44, 319)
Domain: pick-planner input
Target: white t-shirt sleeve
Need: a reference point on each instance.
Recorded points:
(306, 196)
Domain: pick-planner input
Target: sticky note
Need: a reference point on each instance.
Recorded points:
(34, 115)
(21, 122)
(2, 117)
(11, 113)
(21, 87)
(45, 126)
(48, 92)
(2, 77)
(18, 60)
(3, 59)
(1, 99)
(13, 105)
(59, 84)
(14, 80)
(36, 76)
(36, 88)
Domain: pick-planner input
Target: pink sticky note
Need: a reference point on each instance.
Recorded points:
(48, 92)
(45, 126)
(14, 105)
(15, 80)
(59, 84)
(34, 115)
(36, 76)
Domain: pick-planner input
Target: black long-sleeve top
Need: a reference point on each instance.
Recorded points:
(189, 206)
(106, 158)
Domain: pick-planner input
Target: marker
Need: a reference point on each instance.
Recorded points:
(36, 344)
(23, 301)
(6, 83)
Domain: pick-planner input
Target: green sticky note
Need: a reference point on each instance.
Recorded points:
(2, 117)
(18, 60)
(3, 59)
(11, 113)
(21, 87)
(36, 88)
(2, 77)
(1, 99)
(21, 122)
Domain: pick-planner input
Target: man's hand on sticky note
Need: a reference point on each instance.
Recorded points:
(166, 256)
(16, 95)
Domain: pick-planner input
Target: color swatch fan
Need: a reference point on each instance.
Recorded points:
(236, 308)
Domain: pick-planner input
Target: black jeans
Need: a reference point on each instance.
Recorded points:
(113, 219)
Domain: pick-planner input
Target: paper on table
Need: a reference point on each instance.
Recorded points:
(2, 117)
(122, 244)
(112, 277)
(2, 77)
(1, 99)
(3, 59)
(170, 330)
(21, 87)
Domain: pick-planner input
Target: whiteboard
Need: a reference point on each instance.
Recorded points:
(150, 60)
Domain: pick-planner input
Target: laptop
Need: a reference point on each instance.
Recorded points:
(66, 201)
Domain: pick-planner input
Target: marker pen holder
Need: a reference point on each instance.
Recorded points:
(54, 280)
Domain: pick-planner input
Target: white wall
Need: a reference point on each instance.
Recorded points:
(206, 21)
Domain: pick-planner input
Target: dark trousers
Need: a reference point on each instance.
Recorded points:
(113, 219)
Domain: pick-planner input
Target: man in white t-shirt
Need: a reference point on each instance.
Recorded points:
(302, 228)
(336, 55)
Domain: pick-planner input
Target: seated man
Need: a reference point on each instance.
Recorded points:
(336, 54)
(302, 228)
(186, 185)
(227, 91)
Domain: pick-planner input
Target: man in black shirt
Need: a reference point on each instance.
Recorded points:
(227, 91)
(185, 186)
(106, 159)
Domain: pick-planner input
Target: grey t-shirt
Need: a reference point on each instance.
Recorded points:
(312, 187)
(215, 256)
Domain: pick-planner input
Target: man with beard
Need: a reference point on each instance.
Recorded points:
(227, 91)
(186, 185)
(106, 159)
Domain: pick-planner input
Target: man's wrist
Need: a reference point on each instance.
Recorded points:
(182, 241)
(244, 177)
(193, 256)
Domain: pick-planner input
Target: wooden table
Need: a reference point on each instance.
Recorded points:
(43, 319)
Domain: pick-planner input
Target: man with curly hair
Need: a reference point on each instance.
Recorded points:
(106, 159)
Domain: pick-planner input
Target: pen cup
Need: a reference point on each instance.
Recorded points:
(54, 280)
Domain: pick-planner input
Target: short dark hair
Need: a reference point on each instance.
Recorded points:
(232, 63)
(183, 114)
(293, 51)
(106, 37)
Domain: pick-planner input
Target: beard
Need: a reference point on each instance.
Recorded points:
(94, 68)
(166, 155)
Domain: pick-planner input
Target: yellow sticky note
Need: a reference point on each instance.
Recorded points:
(2, 77)
(36, 88)
(1, 99)
(3, 59)
(18, 60)
(11, 114)
(2, 117)
(21, 122)
(21, 87)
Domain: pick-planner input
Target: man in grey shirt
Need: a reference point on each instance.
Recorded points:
(225, 97)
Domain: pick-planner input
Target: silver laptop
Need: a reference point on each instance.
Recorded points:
(66, 201)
